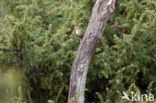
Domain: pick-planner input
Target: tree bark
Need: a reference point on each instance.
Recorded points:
(100, 13)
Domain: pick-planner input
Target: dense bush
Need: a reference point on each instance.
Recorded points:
(38, 36)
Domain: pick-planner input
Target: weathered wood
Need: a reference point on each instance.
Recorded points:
(100, 13)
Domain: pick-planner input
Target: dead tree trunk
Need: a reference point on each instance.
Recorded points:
(100, 14)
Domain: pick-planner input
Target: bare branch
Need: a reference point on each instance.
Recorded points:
(100, 13)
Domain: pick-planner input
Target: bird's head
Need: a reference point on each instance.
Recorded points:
(79, 31)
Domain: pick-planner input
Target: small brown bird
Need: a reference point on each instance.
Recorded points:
(79, 32)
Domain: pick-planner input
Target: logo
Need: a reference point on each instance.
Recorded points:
(138, 97)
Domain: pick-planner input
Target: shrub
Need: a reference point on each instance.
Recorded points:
(38, 36)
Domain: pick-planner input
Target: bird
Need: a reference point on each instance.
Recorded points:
(79, 32)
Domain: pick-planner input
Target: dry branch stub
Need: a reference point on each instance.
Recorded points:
(100, 13)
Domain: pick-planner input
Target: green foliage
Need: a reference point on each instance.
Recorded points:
(38, 36)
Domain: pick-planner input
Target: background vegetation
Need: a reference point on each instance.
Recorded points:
(37, 38)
